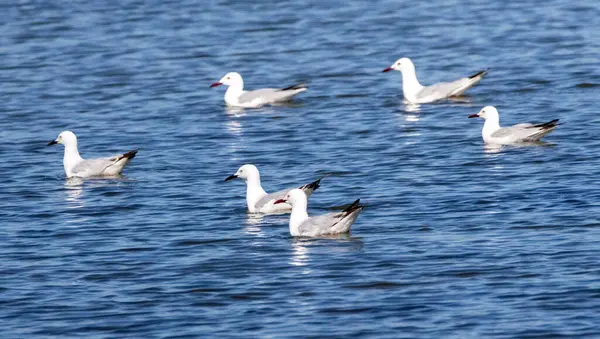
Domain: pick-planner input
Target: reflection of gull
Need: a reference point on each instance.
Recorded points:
(300, 256)
(492, 149)
(235, 127)
(236, 112)
(253, 222)
(74, 188)
(412, 108)
(411, 117)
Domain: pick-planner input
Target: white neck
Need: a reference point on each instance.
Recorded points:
(298, 216)
(71, 159)
(410, 84)
(491, 125)
(233, 92)
(254, 192)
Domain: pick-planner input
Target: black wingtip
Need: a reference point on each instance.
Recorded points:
(480, 74)
(295, 86)
(130, 155)
(313, 185)
(549, 124)
(353, 207)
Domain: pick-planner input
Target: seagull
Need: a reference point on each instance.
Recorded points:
(237, 97)
(76, 166)
(327, 224)
(415, 93)
(258, 200)
(494, 134)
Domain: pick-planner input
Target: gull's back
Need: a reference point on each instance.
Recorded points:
(108, 166)
(444, 90)
(268, 95)
(93, 167)
(525, 132)
(331, 223)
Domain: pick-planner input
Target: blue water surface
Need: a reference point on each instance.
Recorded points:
(457, 240)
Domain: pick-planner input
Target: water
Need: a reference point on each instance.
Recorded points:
(457, 241)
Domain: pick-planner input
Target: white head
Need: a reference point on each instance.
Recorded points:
(488, 112)
(246, 172)
(66, 138)
(402, 65)
(230, 79)
(294, 197)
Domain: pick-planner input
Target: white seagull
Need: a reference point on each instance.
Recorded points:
(301, 225)
(76, 166)
(416, 93)
(494, 134)
(236, 96)
(258, 200)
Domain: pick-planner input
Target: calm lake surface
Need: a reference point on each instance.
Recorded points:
(457, 240)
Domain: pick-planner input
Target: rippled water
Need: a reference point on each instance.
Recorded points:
(457, 240)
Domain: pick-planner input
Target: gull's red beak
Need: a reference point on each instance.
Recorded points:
(215, 84)
(474, 116)
(280, 201)
(388, 69)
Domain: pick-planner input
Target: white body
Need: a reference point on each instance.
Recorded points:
(258, 201)
(76, 166)
(416, 93)
(493, 133)
(328, 224)
(236, 96)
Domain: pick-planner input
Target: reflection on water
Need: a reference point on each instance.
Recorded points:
(412, 108)
(235, 112)
(340, 243)
(300, 255)
(235, 127)
(74, 189)
(253, 222)
(492, 149)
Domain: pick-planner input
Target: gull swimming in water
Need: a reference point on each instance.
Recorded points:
(327, 224)
(236, 96)
(416, 93)
(492, 133)
(258, 200)
(76, 166)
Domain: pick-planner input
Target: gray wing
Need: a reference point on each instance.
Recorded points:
(266, 95)
(447, 89)
(272, 196)
(93, 167)
(331, 223)
(526, 131)
(321, 224)
(506, 132)
(308, 189)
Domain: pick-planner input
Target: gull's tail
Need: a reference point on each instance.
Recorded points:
(129, 155)
(543, 129)
(477, 76)
(547, 125)
(300, 86)
(310, 188)
(355, 206)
